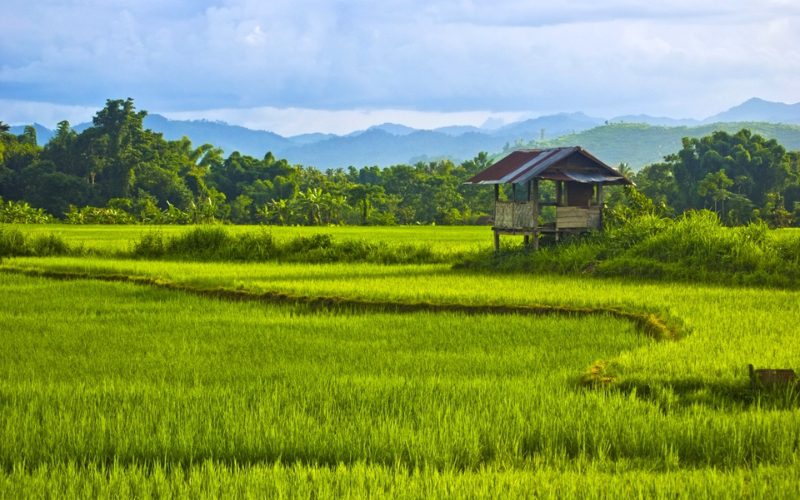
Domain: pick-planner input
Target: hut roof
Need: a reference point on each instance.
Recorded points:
(521, 166)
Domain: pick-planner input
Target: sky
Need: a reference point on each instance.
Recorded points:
(296, 66)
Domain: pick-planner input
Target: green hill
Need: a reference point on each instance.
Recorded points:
(638, 144)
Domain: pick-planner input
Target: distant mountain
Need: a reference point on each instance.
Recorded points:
(756, 109)
(548, 127)
(393, 129)
(635, 139)
(310, 138)
(378, 147)
(43, 134)
(456, 130)
(228, 137)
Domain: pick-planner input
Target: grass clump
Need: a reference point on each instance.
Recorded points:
(205, 243)
(218, 244)
(15, 243)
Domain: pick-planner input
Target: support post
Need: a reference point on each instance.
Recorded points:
(559, 193)
(600, 199)
(559, 202)
(535, 194)
(496, 192)
(496, 241)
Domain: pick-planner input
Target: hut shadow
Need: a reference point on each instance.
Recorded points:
(726, 396)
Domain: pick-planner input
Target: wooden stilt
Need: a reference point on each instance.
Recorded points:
(496, 241)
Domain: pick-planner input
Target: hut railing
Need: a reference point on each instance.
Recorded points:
(514, 214)
(522, 215)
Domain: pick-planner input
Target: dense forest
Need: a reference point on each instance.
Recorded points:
(116, 171)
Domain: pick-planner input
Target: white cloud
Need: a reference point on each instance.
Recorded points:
(676, 57)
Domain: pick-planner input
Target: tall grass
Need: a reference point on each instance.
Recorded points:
(148, 386)
(211, 479)
(694, 247)
(14, 242)
(131, 375)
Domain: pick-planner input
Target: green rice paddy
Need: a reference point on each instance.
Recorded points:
(123, 389)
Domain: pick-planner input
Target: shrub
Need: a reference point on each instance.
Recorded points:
(20, 212)
(98, 215)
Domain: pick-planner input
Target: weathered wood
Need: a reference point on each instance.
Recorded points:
(510, 214)
(496, 241)
(577, 218)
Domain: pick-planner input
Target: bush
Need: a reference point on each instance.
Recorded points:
(98, 215)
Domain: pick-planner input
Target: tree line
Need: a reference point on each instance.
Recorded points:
(743, 177)
(116, 171)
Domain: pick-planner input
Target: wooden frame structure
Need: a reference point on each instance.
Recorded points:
(579, 178)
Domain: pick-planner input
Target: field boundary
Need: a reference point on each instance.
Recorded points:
(647, 323)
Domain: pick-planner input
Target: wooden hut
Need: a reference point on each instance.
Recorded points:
(579, 178)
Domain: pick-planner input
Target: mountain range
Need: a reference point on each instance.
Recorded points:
(634, 139)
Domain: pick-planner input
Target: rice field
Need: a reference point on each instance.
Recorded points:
(122, 389)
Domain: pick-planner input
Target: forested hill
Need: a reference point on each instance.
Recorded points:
(638, 144)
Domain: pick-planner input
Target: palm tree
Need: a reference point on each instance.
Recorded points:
(625, 170)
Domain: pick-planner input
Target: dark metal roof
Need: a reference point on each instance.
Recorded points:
(521, 166)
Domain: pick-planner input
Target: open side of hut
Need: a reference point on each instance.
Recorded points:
(579, 178)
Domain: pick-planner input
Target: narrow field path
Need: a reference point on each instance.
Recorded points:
(647, 323)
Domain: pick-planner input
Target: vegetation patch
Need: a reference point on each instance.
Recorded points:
(695, 247)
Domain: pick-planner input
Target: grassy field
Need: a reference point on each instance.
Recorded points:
(118, 389)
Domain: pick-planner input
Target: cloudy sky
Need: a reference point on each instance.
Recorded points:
(297, 66)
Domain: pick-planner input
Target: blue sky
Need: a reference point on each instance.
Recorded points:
(336, 66)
